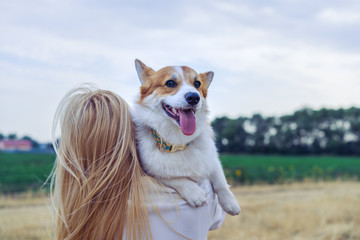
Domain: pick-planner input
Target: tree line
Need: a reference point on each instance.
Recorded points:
(306, 131)
(13, 136)
(35, 145)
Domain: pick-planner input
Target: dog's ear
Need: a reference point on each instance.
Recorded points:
(143, 71)
(208, 76)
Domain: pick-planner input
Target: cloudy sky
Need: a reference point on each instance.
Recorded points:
(270, 57)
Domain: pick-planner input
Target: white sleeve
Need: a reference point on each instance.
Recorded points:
(218, 215)
(181, 221)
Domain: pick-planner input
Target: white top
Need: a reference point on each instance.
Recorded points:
(194, 223)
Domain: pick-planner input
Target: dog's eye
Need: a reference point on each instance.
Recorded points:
(171, 84)
(197, 84)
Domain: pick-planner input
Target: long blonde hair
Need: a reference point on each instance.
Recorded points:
(97, 170)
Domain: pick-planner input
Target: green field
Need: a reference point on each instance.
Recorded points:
(22, 172)
(278, 169)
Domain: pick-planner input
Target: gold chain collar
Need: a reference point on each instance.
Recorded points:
(167, 147)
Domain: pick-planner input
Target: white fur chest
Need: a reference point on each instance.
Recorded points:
(195, 162)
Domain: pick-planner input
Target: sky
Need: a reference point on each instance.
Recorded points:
(270, 57)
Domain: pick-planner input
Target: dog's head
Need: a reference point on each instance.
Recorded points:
(175, 93)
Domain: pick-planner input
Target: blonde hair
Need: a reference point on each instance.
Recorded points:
(97, 170)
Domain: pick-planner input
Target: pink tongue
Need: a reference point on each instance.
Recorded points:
(187, 121)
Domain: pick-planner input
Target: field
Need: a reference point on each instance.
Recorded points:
(251, 169)
(299, 211)
(282, 197)
(23, 172)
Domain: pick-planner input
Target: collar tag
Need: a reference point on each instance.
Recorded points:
(167, 147)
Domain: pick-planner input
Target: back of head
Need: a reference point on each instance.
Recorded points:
(97, 169)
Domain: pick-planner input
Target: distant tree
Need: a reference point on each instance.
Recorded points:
(236, 136)
(219, 125)
(12, 136)
(26, 138)
(35, 144)
(230, 134)
(50, 147)
(1, 136)
(306, 131)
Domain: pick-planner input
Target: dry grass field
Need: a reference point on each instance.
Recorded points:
(321, 211)
(325, 211)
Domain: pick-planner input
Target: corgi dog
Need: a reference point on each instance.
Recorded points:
(175, 140)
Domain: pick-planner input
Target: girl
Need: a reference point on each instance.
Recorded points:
(100, 190)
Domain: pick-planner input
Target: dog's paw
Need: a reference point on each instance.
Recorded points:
(232, 208)
(196, 198)
(229, 203)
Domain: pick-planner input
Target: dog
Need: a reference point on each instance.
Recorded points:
(175, 140)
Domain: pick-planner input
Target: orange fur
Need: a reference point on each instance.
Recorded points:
(154, 81)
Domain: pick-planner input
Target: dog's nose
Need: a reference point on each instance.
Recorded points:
(192, 98)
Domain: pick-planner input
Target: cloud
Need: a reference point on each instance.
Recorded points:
(271, 58)
(340, 16)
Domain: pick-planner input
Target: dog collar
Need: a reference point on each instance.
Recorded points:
(167, 147)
